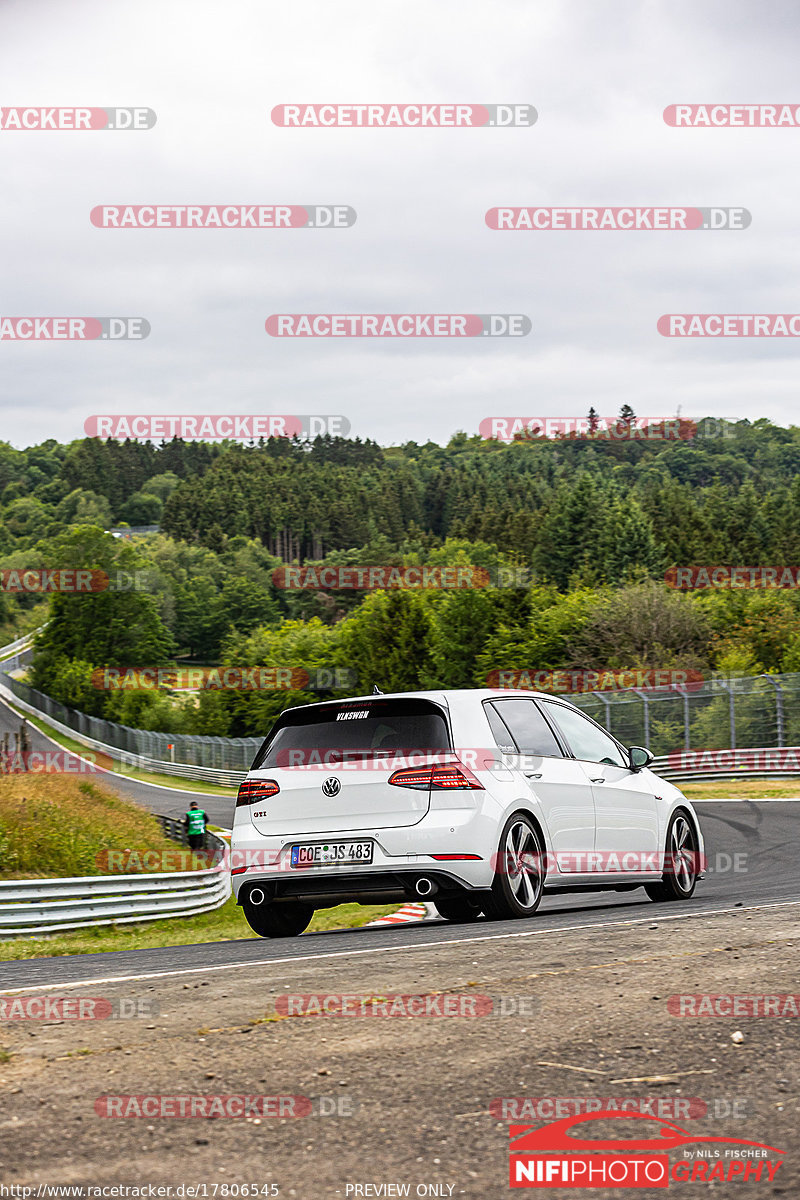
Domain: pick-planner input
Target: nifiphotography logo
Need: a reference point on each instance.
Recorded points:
(551, 1157)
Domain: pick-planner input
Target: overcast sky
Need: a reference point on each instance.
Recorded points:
(600, 73)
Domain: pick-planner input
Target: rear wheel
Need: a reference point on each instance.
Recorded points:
(458, 909)
(680, 868)
(519, 877)
(278, 920)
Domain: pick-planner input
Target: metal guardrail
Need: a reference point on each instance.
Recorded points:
(754, 763)
(29, 906)
(19, 644)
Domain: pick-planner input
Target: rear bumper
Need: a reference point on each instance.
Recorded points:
(367, 887)
(400, 856)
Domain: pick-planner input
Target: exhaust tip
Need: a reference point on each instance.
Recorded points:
(426, 887)
(256, 896)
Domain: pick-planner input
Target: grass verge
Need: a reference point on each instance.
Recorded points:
(742, 789)
(57, 826)
(224, 924)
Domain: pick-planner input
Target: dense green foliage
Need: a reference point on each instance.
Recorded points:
(590, 526)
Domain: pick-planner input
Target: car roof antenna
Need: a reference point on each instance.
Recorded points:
(376, 691)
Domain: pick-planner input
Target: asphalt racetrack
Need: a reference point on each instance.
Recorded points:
(751, 848)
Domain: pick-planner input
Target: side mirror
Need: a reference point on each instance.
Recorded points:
(639, 757)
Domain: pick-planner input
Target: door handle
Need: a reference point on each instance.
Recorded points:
(532, 776)
(602, 779)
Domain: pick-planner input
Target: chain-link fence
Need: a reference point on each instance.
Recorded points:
(721, 714)
(220, 753)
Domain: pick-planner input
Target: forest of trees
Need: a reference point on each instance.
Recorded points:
(589, 525)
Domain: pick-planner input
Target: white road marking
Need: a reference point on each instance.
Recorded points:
(489, 937)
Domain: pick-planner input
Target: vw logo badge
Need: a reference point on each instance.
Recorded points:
(331, 786)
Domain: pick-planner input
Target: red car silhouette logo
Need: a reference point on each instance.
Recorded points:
(528, 1139)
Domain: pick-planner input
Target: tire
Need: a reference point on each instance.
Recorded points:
(519, 877)
(458, 909)
(680, 874)
(278, 920)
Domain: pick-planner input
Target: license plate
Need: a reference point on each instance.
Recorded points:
(325, 854)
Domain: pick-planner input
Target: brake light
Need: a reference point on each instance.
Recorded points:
(448, 778)
(256, 789)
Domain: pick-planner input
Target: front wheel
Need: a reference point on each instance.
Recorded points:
(278, 920)
(681, 862)
(519, 875)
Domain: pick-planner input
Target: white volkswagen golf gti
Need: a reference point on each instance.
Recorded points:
(480, 801)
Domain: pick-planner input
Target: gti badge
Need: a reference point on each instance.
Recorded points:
(331, 786)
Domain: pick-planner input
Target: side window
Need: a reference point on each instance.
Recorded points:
(586, 740)
(528, 727)
(499, 731)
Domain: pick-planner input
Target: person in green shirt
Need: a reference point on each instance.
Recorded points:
(195, 822)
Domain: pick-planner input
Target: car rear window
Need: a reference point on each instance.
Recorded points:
(346, 731)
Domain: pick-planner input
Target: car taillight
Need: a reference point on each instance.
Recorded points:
(256, 789)
(439, 778)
